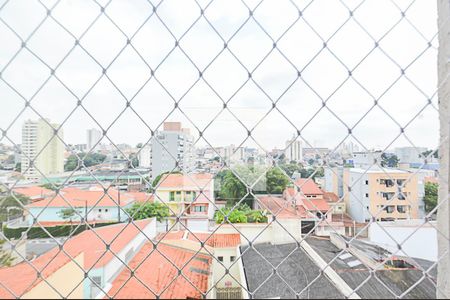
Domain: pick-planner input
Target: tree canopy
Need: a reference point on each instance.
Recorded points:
(90, 159)
(431, 196)
(139, 211)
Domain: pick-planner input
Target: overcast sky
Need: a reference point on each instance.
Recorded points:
(324, 72)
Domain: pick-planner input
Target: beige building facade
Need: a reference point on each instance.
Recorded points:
(383, 194)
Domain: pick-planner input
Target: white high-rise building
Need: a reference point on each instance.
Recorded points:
(40, 145)
(93, 136)
(294, 151)
(172, 149)
(145, 156)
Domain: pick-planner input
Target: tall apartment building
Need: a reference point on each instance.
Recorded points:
(41, 146)
(172, 149)
(386, 194)
(294, 150)
(93, 136)
(410, 154)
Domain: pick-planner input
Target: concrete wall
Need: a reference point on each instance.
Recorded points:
(64, 280)
(414, 238)
(110, 271)
(219, 270)
(51, 214)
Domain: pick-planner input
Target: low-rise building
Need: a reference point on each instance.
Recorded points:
(190, 198)
(91, 203)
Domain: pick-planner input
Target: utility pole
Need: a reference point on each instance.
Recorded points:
(118, 201)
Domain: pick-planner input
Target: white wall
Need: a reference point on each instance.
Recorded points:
(110, 271)
(421, 244)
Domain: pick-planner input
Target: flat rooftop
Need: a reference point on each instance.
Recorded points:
(293, 275)
(382, 284)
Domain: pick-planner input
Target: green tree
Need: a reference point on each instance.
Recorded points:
(139, 145)
(139, 211)
(6, 259)
(236, 216)
(67, 214)
(257, 216)
(18, 167)
(232, 189)
(9, 203)
(431, 196)
(291, 168)
(276, 181)
(389, 160)
(90, 159)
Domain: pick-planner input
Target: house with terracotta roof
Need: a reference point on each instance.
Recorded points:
(33, 192)
(223, 247)
(90, 202)
(190, 197)
(101, 253)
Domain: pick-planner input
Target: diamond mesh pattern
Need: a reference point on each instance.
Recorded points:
(248, 73)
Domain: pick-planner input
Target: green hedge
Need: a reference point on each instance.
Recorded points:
(55, 231)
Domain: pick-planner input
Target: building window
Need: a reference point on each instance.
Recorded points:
(401, 209)
(172, 196)
(199, 208)
(232, 258)
(220, 258)
(401, 196)
(99, 210)
(390, 209)
(367, 182)
(367, 195)
(106, 210)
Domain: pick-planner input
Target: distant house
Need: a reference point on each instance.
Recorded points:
(33, 192)
(93, 203)
(190, 197)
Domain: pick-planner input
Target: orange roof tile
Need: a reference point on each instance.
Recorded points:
(282, 209)
(33, 191)
(308, 186)
(215, 240)
(79, 198)
(91, 243)
(185, 182)
(315, 204)
(157, 274)
(330, 197)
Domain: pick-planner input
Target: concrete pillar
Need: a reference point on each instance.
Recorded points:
(443, 280)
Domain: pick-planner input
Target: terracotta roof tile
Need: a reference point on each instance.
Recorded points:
(34, 192)
(315, 204)
(90, 243)
(185, 182)
(77, 197)
(281, 209)
(308, 186)
(215, 240)
(156, 274)
(330, 197)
